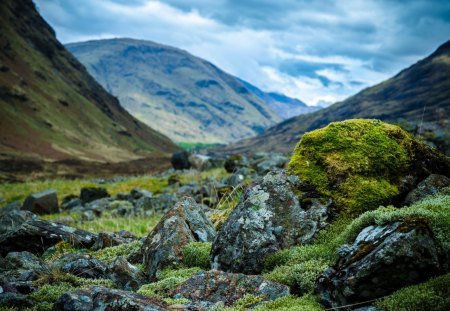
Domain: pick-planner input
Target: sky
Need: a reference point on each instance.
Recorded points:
(317, 51)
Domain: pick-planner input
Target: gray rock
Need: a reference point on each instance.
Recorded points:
(13, 219)
(41, 203)
(184, 223)
(203, 162)
(100, 298)
(88, 216)
(271, 163)
(71, 204)
(431, 185)
(159, 204)
(13, 206)
(82, 265)
(268, 218)
(23, 260)
(105, 239)
(91, 194)
(235, 162)
(180, 160)
(125, 275)
(381, 260)
(218, 286)
(19, 266)
(37, 235)
(137, 193)
(17, 300)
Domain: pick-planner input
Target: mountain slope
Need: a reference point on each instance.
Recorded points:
(184, 97)
(51, 108)
(286, 107)
(418, 98)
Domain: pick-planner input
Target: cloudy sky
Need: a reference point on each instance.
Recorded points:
(317, 51)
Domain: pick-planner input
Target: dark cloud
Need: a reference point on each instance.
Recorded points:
(314, 50)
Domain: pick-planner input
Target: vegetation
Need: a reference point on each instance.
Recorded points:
(431, 295)
(189, 145)
(168, 280)
(66, 187)
(196, 254)
(109, 254)
(362, 157)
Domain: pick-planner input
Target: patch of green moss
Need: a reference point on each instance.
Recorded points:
(356, 162)
(301, 276)
(433, 210)
(196, 254)
(50, 292)
(61, 248)
(110, 254)
(431, 295)
(292, 303)
(169, 279)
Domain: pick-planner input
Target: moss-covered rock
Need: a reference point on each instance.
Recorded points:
(363, 163)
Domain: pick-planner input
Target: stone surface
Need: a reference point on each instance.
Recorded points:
(271, 162)
(235, 162)
(100, 298)
(203, 162)
(17, 300)
(431, 185)
(184, 223)
(41, 203)
(267, 218)
(91, 194)
(37, 235)
(217, 286)
(105, 239)
(82, 265)
(13, 219)
(381, 260)
(125, 275)
(180, 160)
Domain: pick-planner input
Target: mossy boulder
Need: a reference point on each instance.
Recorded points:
(364, 163)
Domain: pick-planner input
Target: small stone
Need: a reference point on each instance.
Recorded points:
(41, 203)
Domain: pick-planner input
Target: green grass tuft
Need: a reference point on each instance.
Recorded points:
(196, 254)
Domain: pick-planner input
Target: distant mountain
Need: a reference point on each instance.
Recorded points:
(183, 96)
(51, 108)
(286, 107)
(417, 98)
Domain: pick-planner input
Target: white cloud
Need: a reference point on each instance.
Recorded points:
(290, 47)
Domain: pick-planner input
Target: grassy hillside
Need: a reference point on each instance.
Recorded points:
(418, 98)
(183, 96)
(51, 108)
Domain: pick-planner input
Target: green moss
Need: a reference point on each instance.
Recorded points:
(196, 254)
(169, 279)
(300, 276)
(356, 162)
(435, 210)
(110, 254)
(291, 303)
(431, 295)
(50, 293)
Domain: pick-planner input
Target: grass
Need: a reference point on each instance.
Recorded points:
(190, 145)
(64, 187)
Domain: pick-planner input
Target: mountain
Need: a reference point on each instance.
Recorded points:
(286, 107)
(51, 109)
(417, 98)
(183, 96)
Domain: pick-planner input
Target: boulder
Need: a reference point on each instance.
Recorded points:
(381, 260)
(17, 300)
(271, 163)
(159, 204)
(362, 164)
(180, 160)
(82, 265)
(431, 185)
(234, 162)
(41, 203)
(90, 194)
(218, 286)
(203, 162)
(19, 266)
(13, 206)
(13, 219)
(100, 298)
(267, 218)
(125, 275)
(36, 235)
(184, 223)
(137, 193)
(105, 239)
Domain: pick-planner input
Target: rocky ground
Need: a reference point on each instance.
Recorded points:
(357, 219)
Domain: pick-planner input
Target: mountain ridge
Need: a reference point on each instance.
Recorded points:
(154, 81)
(418, 98)
(52, 109)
